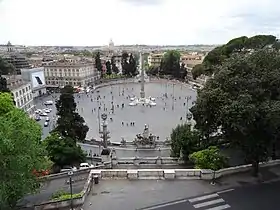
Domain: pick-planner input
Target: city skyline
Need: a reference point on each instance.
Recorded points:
(129, 22)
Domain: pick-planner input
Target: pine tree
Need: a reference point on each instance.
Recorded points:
(108, 68)
(115, 69)
(70, 123)
(132, 66)
(98, 63)
(125, 64)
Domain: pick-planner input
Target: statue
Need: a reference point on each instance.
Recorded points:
(146, 139)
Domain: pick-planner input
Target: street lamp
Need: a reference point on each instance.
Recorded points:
(98, 112)
(188, 114)
(70, 173)
(173, 97)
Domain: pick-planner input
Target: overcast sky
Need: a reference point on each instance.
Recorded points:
(158, 22)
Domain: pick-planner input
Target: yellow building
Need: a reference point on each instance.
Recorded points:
(154, 59)
(189, 59)
(192, 59)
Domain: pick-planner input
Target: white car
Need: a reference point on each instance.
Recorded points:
(38, 111)
(48, 103)
(47, 119)
(43, 114)
(46, 124)
(47, 110)
(85, 165)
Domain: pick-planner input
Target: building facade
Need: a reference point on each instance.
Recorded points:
(22, 93)
(16, 59)
(154, 59)
(192, 59)
(70, 72)
(36, 77)
(189, 59)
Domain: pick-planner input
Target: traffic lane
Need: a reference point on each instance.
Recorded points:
(255, 197)
(178, 205)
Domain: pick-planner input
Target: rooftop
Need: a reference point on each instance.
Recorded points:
(69, 62)
(14, 81)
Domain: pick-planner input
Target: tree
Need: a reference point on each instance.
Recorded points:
(241, 44)
(5, 67)
(98, 63)
(183, 71)
(209, 158)
(70, 123)
(242, 101)
(197, 70)
(63, 150)
(114, 66)
(132, 66)
(171, 63)
(3, 85)
(21, 153)
(184, 141)
(108, 68)
(125, 64)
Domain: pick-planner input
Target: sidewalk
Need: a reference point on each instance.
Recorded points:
(268, 174)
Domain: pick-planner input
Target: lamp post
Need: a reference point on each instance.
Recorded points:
(98, 112)
(173, 96)
(70, 173)
(188, 114)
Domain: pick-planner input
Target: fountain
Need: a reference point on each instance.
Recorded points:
(142, 100)
(146, 139)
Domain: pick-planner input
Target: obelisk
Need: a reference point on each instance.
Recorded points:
(142, 91)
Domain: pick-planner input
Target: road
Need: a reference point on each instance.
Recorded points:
(253, 197)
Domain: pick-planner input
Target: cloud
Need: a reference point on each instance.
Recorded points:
(144, 2)
(158, 22)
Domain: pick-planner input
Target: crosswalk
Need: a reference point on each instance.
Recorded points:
(209, 202)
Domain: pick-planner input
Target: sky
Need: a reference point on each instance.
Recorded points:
(152, 22)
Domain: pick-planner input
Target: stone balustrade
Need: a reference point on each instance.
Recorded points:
(145, 160)
(149, 173)
(138, 174)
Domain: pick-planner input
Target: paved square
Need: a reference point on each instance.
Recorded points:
(161, 119)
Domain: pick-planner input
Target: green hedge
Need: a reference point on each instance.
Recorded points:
(61, 195)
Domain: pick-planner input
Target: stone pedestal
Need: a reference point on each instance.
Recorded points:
(169, 174)
(206, 174)
(132, 174)
(96, 173)
(159, 161)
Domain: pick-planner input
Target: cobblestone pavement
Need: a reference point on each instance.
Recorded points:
(161, 118)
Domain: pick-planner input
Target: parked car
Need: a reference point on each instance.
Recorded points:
(48, 103)
(86, 165)
(37, 118)
(43, 114)
(47, 119)
(46, 124)
(38, 111)
(67, 169)
(47, 110)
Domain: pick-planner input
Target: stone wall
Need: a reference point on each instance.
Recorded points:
(138, 174)
(145, 160)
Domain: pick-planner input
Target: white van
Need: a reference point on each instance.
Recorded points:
(48, 103)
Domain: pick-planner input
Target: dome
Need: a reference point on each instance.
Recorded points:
(111, 43)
